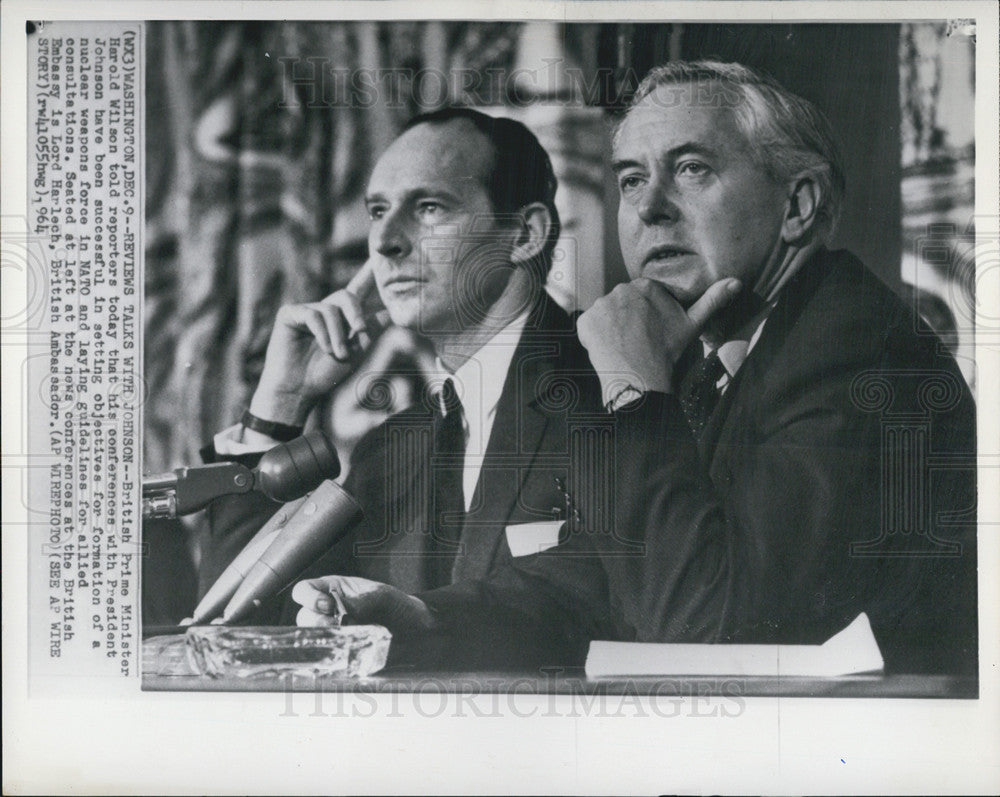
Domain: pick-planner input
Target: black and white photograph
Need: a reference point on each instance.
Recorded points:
(460, 387)
(512, 277)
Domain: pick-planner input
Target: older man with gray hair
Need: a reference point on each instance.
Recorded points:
(792, 445)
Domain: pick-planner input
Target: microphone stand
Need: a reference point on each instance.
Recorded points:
(186, 490)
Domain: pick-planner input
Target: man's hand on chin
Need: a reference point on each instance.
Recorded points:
(337, 600)
(636, 333)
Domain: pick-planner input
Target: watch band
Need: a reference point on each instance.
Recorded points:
(281, 432)
(624, 397)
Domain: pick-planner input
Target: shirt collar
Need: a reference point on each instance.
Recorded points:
(733, 353)
(480, 379)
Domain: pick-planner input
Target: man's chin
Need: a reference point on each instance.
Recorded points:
(423, 323)
(403, 316)
(682, 294)
(405, 309)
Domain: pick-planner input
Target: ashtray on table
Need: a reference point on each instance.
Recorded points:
(353, 651)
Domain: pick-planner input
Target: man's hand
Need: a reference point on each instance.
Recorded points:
(636, 333)
(332, 600)
(312, 348)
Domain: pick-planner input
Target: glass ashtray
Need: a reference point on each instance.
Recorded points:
(353, 651)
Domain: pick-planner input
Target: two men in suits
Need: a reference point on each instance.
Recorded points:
(792, 446)
(463, 227)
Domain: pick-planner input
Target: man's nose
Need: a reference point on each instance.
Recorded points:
(391, 238)
(656, 205)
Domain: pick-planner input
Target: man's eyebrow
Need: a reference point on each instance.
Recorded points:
(688, 148)
(623, 164)
(418, 193)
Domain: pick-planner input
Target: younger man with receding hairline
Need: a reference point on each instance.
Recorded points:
(463, 226)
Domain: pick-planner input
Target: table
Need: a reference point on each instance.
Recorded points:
(162, 657)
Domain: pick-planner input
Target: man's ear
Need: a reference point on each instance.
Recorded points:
(534, 224)
(801, 210)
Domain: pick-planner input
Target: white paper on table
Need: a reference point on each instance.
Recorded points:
(850, 652)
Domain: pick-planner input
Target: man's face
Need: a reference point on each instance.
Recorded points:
(440, 257)
(694, 207)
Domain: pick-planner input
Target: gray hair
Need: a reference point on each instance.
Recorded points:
(788, 136)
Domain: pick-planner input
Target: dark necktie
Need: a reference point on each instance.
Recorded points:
(699, 393)
(448, 511)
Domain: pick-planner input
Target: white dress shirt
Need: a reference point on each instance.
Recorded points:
(479, 382)
(733, 353)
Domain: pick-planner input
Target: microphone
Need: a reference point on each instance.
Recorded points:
(225, 586)
(285, 472)
(324, 517)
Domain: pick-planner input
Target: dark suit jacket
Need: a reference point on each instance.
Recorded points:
(550, 389)
(836, 475)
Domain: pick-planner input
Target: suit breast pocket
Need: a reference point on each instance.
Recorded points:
(525, 539)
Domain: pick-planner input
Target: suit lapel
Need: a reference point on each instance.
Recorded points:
(397, 493)
(518, 433)
(724, 425)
